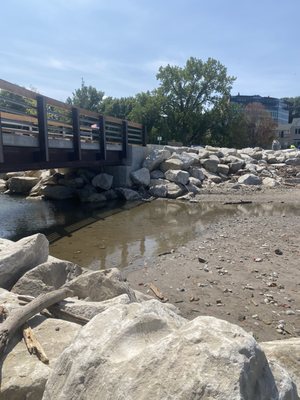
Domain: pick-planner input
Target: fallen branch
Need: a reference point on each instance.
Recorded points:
(238, 202)
(33, 345)
(18, 317)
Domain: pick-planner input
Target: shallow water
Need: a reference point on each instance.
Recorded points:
(134, 235)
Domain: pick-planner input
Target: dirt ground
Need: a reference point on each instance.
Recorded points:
(244, 269)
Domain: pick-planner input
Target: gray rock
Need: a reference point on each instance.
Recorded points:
(96, 198)
(293, 161)
(270, 182)
(89, 309)
(57, 192)
(177, 176)
(103, 181)
(86, 193)
(223, 169)
(155, 158)
(21, 184)
(188, 159)
(203, 154)
(157, 174)
(111, 194)
(24, 376)
(287, 354)
(195, 182)
(197, 173)
(128, 194)
(146, 351)
(50, 275)
(16, 258)
(171, 164)
(192, 188)
(159, 190)
(3, 186)
(141, 177)
(101, 285)
(174, 190)
(249, 179)
(211, 163)
(175, 149)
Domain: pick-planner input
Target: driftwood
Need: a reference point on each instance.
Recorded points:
(18, 317)
(33, 345)
(157, 292)
(57, 311)
(238, 202)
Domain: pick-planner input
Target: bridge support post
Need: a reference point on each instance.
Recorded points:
(102, 137)
(43, 127)
(124, 139)
(144, 137)
(76, 134)
(1, 143)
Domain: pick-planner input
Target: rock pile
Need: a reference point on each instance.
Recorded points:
(171, 172)
(110, 342)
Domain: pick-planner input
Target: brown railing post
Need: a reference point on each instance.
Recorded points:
(144, 136)
(102, 137)
(76, 134)
(43, 128)
(1, 143)
(124, 138)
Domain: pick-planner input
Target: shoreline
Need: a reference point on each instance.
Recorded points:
(242, 279)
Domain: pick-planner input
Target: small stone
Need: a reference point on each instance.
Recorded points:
(290, 312)
(201, 260)
(258, 259)
(278, 252)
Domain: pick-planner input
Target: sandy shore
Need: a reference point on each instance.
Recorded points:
(244, 269)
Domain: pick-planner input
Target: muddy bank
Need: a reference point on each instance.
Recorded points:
(244, 268)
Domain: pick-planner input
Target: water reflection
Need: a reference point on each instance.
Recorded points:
(136, 234)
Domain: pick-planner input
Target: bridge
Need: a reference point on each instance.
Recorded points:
(38, 132)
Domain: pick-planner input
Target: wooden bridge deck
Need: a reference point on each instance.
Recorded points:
(37, 132)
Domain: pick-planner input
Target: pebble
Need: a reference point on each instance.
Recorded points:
(290, 312)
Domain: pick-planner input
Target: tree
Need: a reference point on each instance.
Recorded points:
(189, 92)
(86, 97)
(227, 126)
(119, 108)
(260, 125)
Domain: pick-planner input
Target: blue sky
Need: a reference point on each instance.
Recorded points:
(118, 45)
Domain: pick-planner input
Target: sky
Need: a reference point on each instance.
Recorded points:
(118, 46)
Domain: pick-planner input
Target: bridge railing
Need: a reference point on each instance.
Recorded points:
(49, 123)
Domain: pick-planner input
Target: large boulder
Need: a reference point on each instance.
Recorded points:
(146, 351)
(171, 164)
(141, 177)
(21, 184)
(101, 285)
(211, 163)
(287, 354)
(57, 192)
(177, 176)
(128, 194)
(249, 179)
(159, 190)
(155, 158)
(197, 173)
(24, 376)
(103, 181)
(174, 190)
(46, 277)
(293, 161)
(19, 257)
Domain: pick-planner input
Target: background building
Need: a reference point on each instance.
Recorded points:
(289, 133)
(276, 107)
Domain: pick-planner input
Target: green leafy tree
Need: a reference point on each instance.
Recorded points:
(86, 97)
(147, 110)
(119, 108)
(189, 92)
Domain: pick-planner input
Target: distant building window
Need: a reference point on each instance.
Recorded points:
(282, 134)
